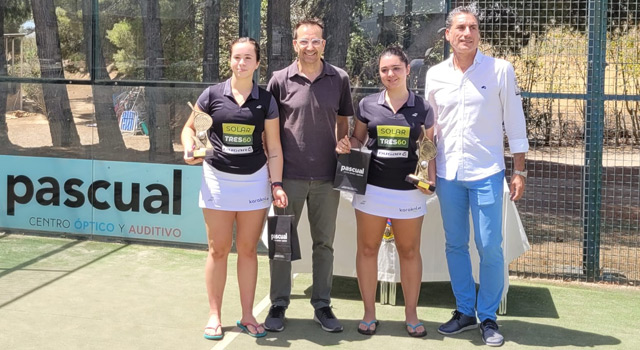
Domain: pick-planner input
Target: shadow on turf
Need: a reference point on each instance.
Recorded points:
(541, 335)
(22, 266)
(522, 301)
(39, 257)
(516, 332)
(299, 329)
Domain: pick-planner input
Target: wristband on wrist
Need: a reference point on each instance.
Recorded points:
(275, 184)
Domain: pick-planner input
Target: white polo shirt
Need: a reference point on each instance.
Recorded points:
(471, 109)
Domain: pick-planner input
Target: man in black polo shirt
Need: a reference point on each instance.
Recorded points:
(314, 101)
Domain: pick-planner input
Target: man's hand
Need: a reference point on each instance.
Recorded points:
(516, 188)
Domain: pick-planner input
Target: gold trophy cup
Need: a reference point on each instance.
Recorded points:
(426, 152)
(201, 122)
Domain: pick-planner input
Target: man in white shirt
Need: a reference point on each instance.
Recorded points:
(474, 96)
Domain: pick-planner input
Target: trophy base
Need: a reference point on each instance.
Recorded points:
(200, 153)
(414, 180)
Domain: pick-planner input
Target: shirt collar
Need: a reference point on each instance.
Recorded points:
(327, 69)
(227, 90)
(411, 100)
(477, 59)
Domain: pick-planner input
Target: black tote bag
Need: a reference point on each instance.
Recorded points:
(283, 238)
(352, 171)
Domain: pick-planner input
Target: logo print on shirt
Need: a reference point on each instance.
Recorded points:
(393, 136)
(259, 107)
(483, 87)
(414, 115)
(237, 134)
(384, 153)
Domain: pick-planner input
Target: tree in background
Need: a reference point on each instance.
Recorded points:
(61, 124)
(109, 135)
(337, 17)
(623, 53)
(4, 137)
(123, 36)
(153, 48)
(192, 33)
(72, 36)
(210, 53)
(16, 12)
(160, 138)
(279, 35)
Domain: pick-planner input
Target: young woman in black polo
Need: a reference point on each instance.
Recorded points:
(393, 120)
(238, 183)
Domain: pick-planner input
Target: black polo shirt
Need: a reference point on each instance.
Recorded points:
(392, 138)
(308, 111)
(236, 133)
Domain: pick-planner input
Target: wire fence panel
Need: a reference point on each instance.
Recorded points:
(576, 113)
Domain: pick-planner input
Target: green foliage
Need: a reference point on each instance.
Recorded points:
(112, 12)
(229, 29)
(362, 55)
(182, 35)
(123, 37)
(181, 45)
(31, 69)
(16, 12)
(362, 60)
(129, 54)
(300, 9)
(71, 34)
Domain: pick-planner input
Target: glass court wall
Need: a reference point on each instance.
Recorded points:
(109, 80)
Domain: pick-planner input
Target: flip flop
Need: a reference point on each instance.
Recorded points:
(368, 331)
(245, 328)
(415, 333)
(213, 337)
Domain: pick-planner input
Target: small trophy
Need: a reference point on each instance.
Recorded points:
(426, 152)
(201, 122)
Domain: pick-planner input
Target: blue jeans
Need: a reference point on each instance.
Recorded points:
(484, 199)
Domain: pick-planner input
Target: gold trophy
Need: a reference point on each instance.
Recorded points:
(426, 152)
(201, 122)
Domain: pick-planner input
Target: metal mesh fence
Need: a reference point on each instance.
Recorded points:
(575, 212)
(620, 239)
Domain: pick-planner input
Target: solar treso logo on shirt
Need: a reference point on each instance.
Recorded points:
(237, 134)
(393, 136)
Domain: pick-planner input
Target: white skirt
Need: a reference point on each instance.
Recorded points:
(393, 204)
(232, 192)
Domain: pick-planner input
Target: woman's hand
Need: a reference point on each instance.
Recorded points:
(188, 156)
(426, 191)
(343, 146)
(280, 199)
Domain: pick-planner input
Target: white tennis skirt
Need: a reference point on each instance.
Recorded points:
(393, 204)
(232, 192)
